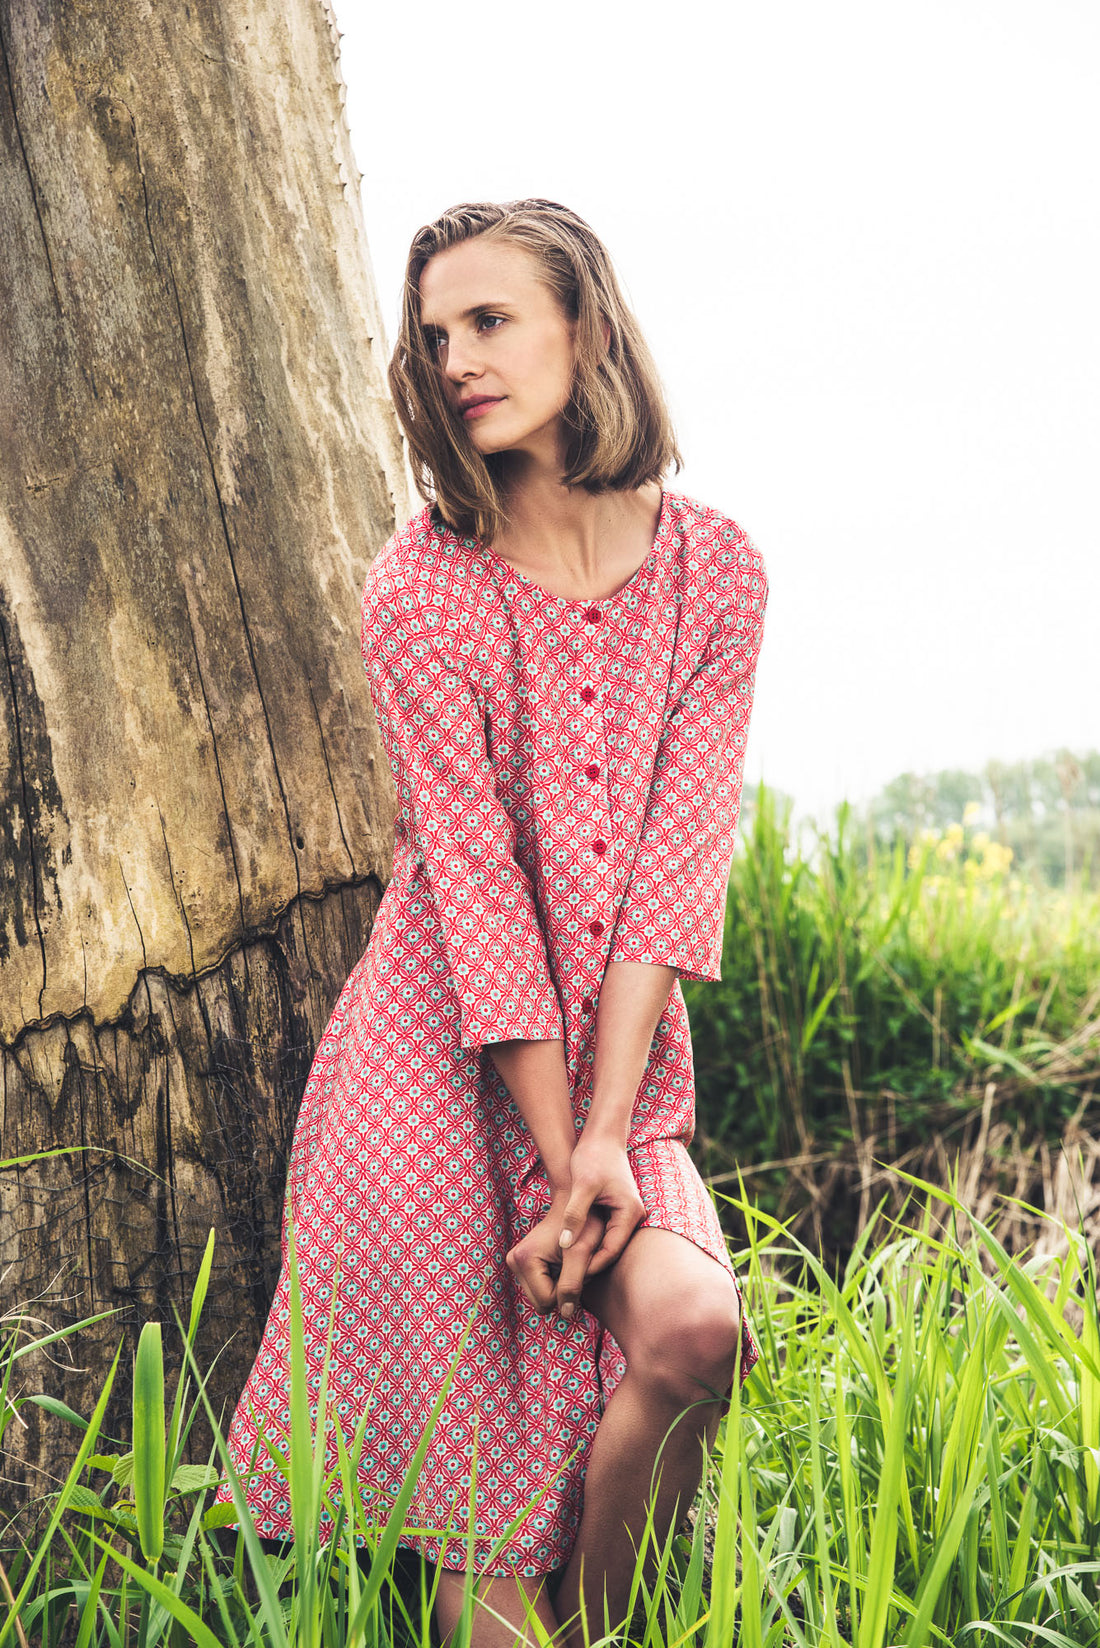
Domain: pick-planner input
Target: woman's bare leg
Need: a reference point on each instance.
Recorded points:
(505, 1596)
(676, 1315)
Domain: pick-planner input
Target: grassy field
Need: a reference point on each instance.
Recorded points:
(896, 1111)
(919, 1007)
(915, 1460)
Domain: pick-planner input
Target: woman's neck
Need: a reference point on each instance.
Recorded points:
(575, 542)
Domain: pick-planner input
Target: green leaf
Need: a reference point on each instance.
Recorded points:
(193, 1478)
(124, 1469)
(60, 1410)
(269, 1601)
(884, 1533)
(149, 1441)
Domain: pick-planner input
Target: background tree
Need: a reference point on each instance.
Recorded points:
(198, 460)
(1046, 809)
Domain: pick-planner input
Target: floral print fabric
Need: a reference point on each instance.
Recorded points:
(569, 780)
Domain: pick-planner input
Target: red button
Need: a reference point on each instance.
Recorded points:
(587, 1004)
(599, 847)
(587, 694)
(596, 929)
(593, 615)
(592, 772)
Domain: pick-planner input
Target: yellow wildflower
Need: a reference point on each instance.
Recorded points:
(996, 859)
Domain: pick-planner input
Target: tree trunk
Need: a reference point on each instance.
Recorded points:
(198, 462)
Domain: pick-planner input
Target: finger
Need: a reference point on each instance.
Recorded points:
(619, 1229)
(574, 1269)
(577, 1209)
(539, 1290)
(536, 1278)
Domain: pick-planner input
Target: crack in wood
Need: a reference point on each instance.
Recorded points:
(218, 770)
(180, 906)
(27, 166)
(250, 935)
(144, 183)
(328, 774)
(227, 538)
(28, 817)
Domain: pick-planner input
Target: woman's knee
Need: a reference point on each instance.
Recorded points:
(689, 1352)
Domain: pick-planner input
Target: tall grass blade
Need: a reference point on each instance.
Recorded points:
(884, 1532)
(261, 1572)
(382, 1560)
(199, 1632)
(149, 1441)
(198, 1299)
(76, 1470)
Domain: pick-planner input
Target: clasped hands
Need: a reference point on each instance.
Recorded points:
(590, 1220)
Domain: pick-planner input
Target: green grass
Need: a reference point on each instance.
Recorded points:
(879, 994)
(915, 1460)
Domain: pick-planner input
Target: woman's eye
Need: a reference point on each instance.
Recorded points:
(433, 342)
(490, 322)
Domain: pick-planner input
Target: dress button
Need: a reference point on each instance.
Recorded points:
(599, 847)
(592, 772)
(587, 694)
(596, 929)
(592, 616)
(587, 1004)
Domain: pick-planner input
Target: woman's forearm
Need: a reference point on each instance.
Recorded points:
(633, 996)
(535, 1074)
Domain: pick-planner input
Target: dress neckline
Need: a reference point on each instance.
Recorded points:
(652, 556)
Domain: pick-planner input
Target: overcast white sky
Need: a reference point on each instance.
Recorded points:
(864, 242)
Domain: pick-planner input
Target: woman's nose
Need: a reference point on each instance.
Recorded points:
(461, 362)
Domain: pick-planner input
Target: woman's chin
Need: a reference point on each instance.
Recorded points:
(493, 440)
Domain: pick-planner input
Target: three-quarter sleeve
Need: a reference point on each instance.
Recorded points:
(434, 731)
(673, 910)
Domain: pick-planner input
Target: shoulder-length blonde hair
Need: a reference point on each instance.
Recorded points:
(621, 433)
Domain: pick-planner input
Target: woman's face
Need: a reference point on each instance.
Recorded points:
(503, 343)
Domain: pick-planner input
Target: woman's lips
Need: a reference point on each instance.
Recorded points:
(478, 407)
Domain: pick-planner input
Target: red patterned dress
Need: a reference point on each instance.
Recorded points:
(569, 775)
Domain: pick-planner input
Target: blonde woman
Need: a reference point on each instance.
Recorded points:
(561, 654)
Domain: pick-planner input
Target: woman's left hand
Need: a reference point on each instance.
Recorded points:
(536, 1260)
(602, 1183)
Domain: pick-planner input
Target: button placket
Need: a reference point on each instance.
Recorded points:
(589, 787)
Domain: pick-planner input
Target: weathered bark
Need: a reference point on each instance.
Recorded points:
(198, 461)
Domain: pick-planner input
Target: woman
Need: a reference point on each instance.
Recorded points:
(561, 656)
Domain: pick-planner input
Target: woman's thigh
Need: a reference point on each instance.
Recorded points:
(674, 1311)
